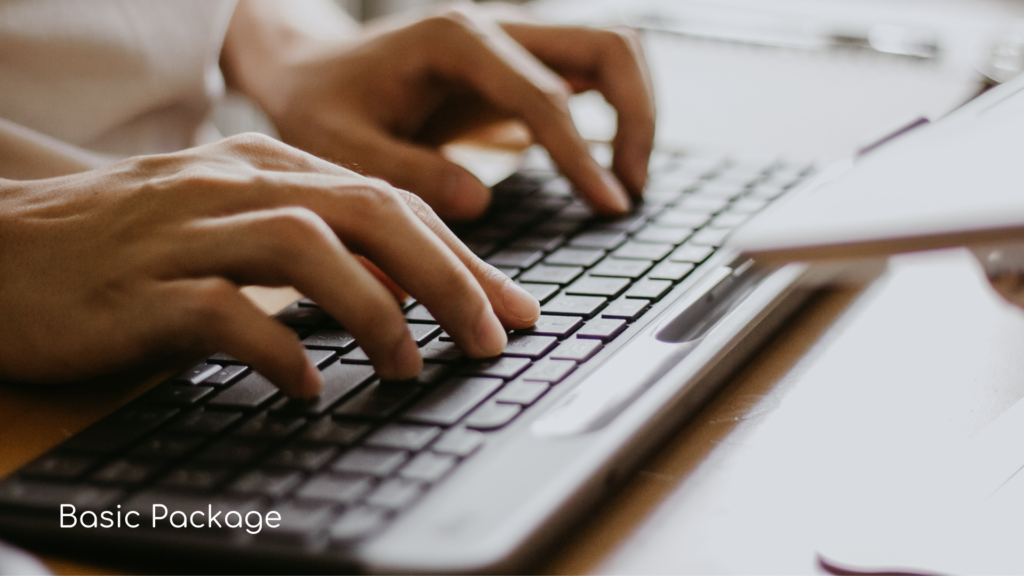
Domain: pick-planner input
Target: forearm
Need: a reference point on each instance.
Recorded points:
(265, 35)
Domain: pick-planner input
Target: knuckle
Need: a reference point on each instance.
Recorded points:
(378, 199)
(453, 19)
(251, 142)
(295, 229)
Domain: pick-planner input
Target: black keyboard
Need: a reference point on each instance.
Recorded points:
(219, 438)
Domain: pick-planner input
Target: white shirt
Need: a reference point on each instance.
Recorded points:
(95, 80)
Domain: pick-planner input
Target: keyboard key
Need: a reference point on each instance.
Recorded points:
(333, 432)
(552, 371)
(729, 220)
(247, 393)
(528, 345)
(300, 522)
(506, 367)
(603, 329)
(340, 380)
(682, 220)
(419, 313)
(355, 356)
(272, 483)
(523, 392)
(395, 493)
(335, 338)
(48, 496)
(515, 258)
(459, 442)
(430, 374)
(233, 451)
(422, 333)
(628, 309)
(711, 236)
(548, 325)
(448, 403)
(703, 204)
(428, 467)
(197, 373)
(747, 205)
(120, 429)
(510, 272)
(545, 242)
(319, 358)
(663, 234)
(270, 426)
(58, 466)
(621, 268)
(193, 477)
(691, 253)
(356, 523)
(492, 416)
(598, 286)
(378, 401)
(542, 292)
(674, 271)
(551, 274)
(202, 422)
(575, 256)
(124, 471)
(576, 350)
(225, 376)
(643, 250)
(167, 446)
(585, 306)
(302, 456)
(341, 489)
(176, 394)
(372, 461)
(302, 316)
(608, 240)
(439, 351)
(628, 223)
(410, 437)
(653, 289)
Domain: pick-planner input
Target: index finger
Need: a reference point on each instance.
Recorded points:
(480, 53)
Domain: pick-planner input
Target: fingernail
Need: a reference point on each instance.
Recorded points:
(520, 303)
(490, 335)
(311, 383)
(619, 200)
(406, 359)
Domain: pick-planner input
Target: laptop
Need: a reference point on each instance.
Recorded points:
(475, 465)
(956, 182)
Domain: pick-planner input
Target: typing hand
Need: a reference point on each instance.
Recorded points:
(142, 260)
(371, 102)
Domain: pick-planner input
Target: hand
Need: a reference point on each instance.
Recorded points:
(366, 101)
(142, 259)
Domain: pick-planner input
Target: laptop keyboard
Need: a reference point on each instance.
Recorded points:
(340, 467)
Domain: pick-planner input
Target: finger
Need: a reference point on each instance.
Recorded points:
(514, 306)
(384, 279)
(479, 53)
(612, 62)
(215, 312)
(449, 188)
(293, 246)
